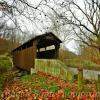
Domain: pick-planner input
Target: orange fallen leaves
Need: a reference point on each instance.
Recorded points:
(17, 91)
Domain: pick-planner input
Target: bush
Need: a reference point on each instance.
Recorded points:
(5, 63)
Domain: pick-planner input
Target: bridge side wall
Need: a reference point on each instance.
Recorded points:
(25, 58)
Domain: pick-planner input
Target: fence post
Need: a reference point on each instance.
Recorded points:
(98, 83)
(80, 79)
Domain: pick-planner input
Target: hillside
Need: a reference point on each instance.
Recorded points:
(6, 45)
(65, 54)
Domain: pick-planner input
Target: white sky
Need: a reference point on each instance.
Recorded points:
(72, 46)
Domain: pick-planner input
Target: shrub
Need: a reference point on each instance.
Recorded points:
(5, 63)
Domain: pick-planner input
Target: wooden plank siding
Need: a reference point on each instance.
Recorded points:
(25, 58)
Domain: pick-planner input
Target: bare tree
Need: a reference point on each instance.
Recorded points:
(20, 13)
(84, 18)
(87, 26)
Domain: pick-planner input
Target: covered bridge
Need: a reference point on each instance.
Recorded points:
(45, 46)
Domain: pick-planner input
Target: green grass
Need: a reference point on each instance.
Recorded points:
(5, 65)
(2, 78)
(82, 63)
(26, 77)
(5, 62)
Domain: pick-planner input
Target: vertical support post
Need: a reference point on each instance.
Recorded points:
(57, 46)
(34, 51)
(45, 48)
(80, 79)
(21, 57)
(98, 83)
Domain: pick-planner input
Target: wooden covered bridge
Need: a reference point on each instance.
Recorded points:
(38, 47)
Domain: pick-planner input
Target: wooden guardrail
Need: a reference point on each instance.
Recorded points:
(53, 67)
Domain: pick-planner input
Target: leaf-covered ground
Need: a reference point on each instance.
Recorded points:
(41, 86)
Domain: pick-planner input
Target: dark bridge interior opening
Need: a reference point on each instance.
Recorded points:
(49, 54)
(47, 48)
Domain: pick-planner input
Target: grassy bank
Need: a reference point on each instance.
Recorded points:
(5, 65)
(82, 63)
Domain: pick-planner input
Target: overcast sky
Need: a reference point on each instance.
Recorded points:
(41, 27)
